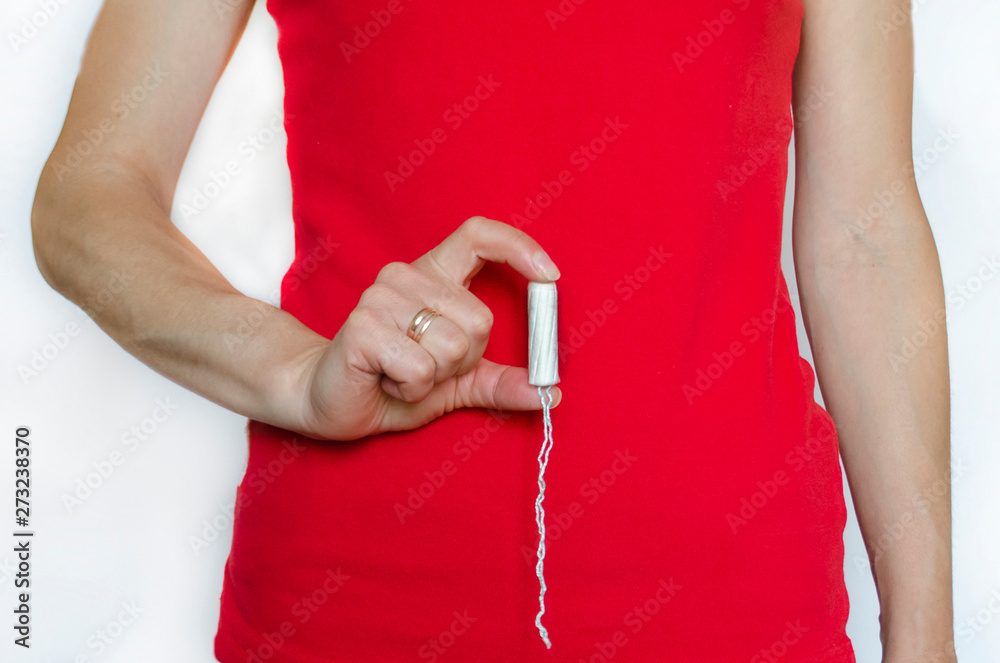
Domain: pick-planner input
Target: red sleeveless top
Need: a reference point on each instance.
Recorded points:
(694, 504)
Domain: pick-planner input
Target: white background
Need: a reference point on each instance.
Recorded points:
(130, 541)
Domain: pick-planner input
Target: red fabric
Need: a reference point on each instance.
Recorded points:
(697, 526)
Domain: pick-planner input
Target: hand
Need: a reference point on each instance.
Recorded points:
(372, 377)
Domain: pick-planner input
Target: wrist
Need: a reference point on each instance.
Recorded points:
(919, 631)
(904, 653)
(291, 389)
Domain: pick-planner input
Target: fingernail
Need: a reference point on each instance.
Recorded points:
(545, 266)
(558, 397)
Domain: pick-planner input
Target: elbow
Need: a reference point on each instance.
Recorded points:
(45, 225)
(59, 230)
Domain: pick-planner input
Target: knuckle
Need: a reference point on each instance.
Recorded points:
(375, 296)
(361, 320)
(456, 346)
(474, 224)
(423, 369)
(392, 271)
(445, 295)
(390, 352)
(481, 323)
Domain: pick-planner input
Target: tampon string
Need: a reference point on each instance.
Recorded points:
(543, 371)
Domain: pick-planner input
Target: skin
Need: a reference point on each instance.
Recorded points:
(862, 289)
(864, 286)
(112, 213)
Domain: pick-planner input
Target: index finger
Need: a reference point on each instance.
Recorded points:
(464, 252)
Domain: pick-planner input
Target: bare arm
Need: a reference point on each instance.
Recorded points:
(107, 217)
(868, 281)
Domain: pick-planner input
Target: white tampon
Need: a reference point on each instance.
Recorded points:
(543, 347)
(543, 371)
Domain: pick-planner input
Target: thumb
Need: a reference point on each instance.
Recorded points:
(496, 386)
(487, 385)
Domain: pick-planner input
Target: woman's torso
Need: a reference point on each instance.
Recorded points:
(694, 503)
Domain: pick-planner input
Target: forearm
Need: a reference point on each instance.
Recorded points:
(105, 242)
(892, 407)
